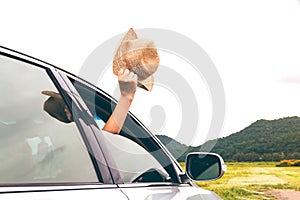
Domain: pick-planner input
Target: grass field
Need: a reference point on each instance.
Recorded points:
(252, 180)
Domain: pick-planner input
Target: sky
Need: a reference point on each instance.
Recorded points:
(254, 46)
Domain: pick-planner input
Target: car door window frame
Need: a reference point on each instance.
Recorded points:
(142, 136)
(91, 134)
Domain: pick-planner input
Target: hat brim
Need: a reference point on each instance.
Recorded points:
(52, 94)
(147, 84)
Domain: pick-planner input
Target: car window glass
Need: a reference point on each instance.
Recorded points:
(133, 161)
(36, 147)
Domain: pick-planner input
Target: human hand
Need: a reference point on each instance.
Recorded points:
(127, 83)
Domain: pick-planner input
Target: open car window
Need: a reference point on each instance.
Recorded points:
(137, 155)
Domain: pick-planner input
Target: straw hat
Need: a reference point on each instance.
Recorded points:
(139, 56)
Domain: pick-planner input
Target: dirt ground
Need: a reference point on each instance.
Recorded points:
(285, 194)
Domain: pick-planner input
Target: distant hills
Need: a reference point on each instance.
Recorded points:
(264, 140)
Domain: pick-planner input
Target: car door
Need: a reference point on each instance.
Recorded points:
(41, 156)
(144, 176)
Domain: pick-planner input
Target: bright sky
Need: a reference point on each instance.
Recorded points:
(254, 45)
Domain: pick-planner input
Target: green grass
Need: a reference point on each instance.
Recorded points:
(251, 180)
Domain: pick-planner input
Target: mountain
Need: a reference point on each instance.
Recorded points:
(176, 148)
(264, 140)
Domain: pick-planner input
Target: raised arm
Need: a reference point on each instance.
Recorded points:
(127, 84)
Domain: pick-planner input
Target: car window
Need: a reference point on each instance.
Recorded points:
(134, 163)
(137, 156)
(34, 146)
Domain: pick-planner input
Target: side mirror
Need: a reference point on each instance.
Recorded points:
(202, 166)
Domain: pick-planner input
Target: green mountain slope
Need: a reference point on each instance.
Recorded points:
(264, 140)
(177, 149)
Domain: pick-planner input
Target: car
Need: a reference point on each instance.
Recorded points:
(44, 158)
